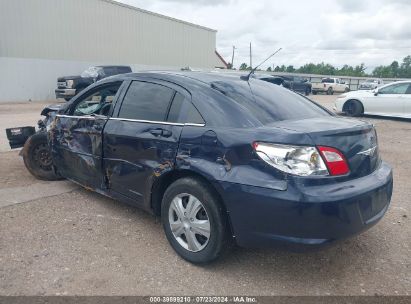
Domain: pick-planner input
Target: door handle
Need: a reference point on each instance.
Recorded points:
(156, 132)
(161, 132)
(167, 133)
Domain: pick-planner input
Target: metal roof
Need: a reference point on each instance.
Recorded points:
(158, 15)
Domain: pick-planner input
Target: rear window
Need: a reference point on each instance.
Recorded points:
(269, 103)
(123, 70)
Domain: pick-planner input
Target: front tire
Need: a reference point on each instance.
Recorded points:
(194, 221)
(353, 108)
(37, 157)
(330, 91)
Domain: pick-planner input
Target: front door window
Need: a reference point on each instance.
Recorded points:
(99, 102)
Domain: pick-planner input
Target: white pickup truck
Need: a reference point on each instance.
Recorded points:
(330, 86)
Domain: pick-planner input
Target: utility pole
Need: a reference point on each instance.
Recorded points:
(251, 57)
(232, 58)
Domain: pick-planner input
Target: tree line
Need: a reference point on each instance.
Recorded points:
(394, 70)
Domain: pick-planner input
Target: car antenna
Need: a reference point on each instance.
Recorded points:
(247, 78)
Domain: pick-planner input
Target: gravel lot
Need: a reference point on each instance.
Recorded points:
(59, 239)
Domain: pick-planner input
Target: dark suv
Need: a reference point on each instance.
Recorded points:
(297, 84)
(69, 86)
(219, 158)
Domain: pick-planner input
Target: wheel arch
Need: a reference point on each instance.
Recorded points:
(161, 184)
(353, 99)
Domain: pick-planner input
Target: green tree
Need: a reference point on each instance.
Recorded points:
(394, 70)
(290, 69)
(269, 69)
(243, 66)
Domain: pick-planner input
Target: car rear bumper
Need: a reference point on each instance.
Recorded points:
(315, 215)
(65, 93)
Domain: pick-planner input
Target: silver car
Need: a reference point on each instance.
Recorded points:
(371, 84)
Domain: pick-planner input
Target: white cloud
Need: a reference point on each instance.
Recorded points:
(334, 31)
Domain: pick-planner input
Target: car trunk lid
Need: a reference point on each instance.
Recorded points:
(357, 140)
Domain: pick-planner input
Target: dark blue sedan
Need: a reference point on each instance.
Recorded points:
(219, 158)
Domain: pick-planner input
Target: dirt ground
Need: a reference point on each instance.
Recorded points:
(59, 239)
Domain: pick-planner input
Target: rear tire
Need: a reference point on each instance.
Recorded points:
(37, 157)
(314, 92)
(353, 108)
(199, 235)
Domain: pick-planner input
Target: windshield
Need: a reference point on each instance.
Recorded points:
(91, 72)
(269, 103)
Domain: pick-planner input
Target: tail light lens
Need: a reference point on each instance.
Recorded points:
(297, 160)
(303, 160)
(335, 161)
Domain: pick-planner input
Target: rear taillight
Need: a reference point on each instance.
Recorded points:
(334, 160)
(303, 160)
(297, 160)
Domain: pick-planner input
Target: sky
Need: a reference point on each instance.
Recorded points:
(373, 32)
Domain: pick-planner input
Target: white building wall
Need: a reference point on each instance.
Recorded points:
(43, 39)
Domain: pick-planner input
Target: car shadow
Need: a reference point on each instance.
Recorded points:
(336, 261)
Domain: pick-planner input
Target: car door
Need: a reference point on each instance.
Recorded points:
(76, 135)
(388, 100)
(338, 86)
(298, 84)
(139, 141)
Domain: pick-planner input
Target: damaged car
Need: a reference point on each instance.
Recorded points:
(220, 159)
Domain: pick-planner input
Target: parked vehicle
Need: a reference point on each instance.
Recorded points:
(393, 99)
(219, 158)
(69, 86)
(371, 84)
(269, 78)
(330, 86)
(297, 84)
(294, 83)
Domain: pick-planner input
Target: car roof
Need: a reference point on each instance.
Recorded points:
(182, 77)
(400, 81)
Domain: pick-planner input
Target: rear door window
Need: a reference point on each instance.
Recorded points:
(146, 101)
